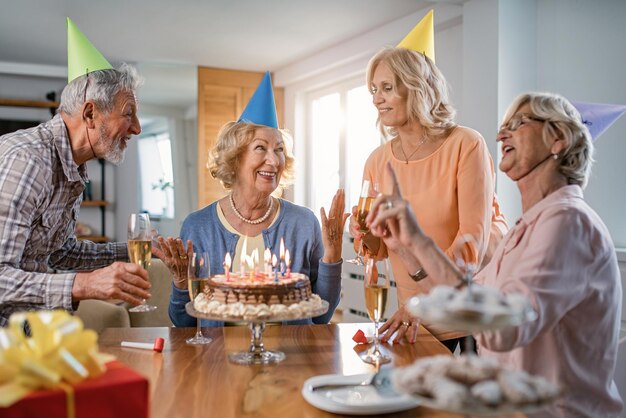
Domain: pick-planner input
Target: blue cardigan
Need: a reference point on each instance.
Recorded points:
(303, 237)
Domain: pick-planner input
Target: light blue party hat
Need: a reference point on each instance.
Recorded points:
(599, 116)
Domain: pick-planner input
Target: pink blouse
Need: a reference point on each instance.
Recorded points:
(560, 254)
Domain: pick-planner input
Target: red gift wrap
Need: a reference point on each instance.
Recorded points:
(118, 393)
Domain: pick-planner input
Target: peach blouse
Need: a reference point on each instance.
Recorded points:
(451, 192)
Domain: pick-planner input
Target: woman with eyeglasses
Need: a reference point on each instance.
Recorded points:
(445, 171)
(559, 254)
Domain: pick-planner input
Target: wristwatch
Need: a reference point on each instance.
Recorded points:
(420, 274)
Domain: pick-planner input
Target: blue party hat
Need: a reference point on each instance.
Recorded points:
(598, 116)
(261, 108)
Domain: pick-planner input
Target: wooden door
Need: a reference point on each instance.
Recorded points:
(222, 96)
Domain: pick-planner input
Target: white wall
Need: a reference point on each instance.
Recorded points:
(582, 54)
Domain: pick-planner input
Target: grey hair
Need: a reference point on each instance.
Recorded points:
(563, 121)
(102, 87)
(427, 90)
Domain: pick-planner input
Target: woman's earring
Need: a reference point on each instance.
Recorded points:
(555, 156)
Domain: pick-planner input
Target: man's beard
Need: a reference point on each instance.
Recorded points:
(115, 151)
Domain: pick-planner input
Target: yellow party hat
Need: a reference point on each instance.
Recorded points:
(422, 37)
(82, 57)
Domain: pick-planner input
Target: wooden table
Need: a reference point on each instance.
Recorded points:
(199, 381)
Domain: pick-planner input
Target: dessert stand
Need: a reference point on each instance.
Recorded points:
(257, 354)
(474, 318)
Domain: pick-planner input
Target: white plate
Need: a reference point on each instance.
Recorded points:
(481, 410)
(357, 400)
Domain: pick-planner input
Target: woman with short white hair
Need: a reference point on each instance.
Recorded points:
(559, 254)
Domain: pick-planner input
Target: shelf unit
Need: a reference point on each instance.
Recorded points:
(49, 104)
(102, 204)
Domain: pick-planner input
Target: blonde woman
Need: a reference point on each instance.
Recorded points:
(444, 170)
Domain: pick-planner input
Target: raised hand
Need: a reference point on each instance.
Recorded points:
(332, 227)
(176, 257)
(391, 218)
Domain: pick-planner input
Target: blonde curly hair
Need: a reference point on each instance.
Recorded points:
(562, 121)
(232, 141)
(427, 90)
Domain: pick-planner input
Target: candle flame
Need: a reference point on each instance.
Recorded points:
(244, 251)
(274, 260)
(268, 255)
(250, 262)
(282, 249)
(227, 261)
(287, 259)
(255, 257)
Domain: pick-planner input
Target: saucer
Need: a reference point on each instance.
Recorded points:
(355, 400)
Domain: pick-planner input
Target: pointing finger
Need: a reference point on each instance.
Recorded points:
(395, 191)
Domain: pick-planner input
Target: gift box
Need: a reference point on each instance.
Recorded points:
(119, 392)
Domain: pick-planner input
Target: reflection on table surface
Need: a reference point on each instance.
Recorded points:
(198, 381)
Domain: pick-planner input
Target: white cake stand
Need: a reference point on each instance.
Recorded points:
(257, 354)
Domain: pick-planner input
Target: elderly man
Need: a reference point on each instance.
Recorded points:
(42, 177)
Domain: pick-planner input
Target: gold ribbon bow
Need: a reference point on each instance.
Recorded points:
(59, 353)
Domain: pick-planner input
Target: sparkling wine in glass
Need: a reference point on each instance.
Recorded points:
(198, 273)
(376, 285)
(368, 194)
(140, 248)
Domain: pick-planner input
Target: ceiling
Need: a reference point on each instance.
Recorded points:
(167, 39)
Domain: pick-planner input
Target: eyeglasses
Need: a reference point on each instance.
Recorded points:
(518, 120)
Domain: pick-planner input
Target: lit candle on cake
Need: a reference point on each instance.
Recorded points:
(287, 264)
(242, 258)
(282, 256)
(255, 261)
(227, 263)
(274, 262)
(268, 262)
(250, 262)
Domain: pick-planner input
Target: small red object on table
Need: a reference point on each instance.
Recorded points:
(359, 337)
(120, 392)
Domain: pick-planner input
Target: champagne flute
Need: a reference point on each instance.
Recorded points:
(376, 285)
(140, 248)
(366, 199)
(198, 273)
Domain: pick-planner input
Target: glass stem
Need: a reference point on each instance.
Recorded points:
(198, 329)
(375, 336)
(359, 253)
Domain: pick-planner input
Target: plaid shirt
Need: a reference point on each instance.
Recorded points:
(40, 194)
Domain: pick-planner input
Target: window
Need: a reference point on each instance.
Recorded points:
(342, 133)
(157, 180)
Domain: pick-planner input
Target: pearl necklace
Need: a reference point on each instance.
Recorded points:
(406, 159)
(251, 221)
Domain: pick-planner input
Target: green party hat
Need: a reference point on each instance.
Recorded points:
(82, 57)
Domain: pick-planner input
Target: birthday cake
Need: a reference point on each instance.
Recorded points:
(258, 296)
(259, 289)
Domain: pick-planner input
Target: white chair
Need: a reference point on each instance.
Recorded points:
(620, 371)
